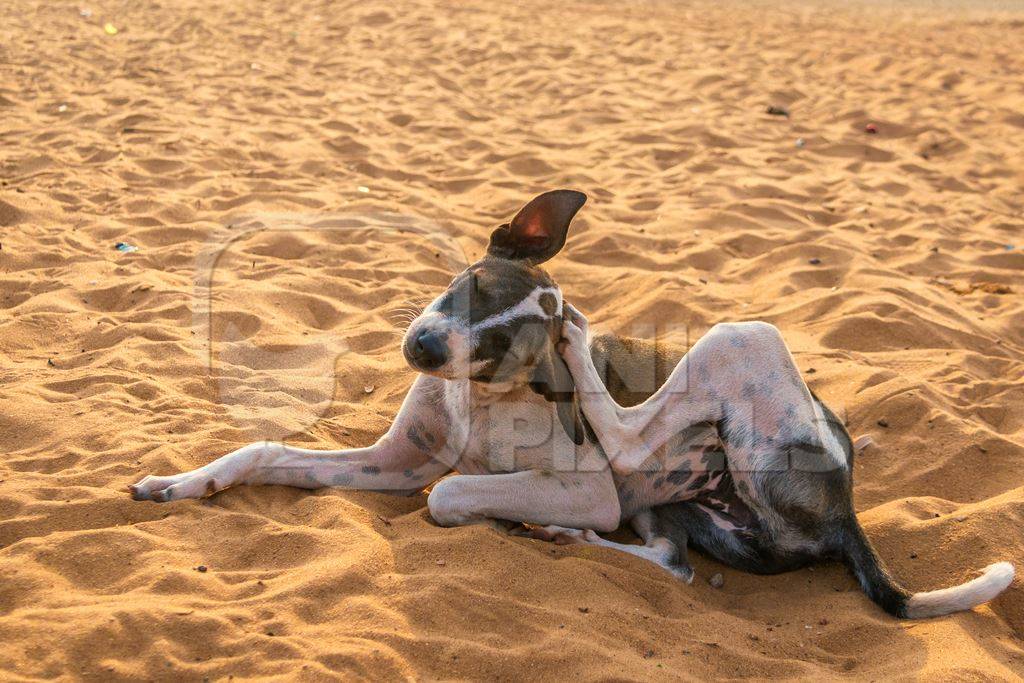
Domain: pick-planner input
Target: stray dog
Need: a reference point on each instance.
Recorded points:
(496, 402)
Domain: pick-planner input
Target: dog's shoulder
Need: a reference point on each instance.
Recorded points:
(633, 369)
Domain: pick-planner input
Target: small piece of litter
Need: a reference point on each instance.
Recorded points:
(125, 248)
(883, 423)
(814, 261)
(717, 581)
(49, 361)
(871, 129)
(863, 442)
(800, 142)
(62, 108)
(85, 12)
(110, 29)
(201, 569)
(1009, 247)
(584, 610)
(777, 111)
(441, 563)
(368, 389)
(363, 188)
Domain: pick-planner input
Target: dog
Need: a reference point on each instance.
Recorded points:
(499, 355)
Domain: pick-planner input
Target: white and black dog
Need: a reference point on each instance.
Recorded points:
(732, 454)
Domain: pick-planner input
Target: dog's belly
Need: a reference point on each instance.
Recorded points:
(690, 467)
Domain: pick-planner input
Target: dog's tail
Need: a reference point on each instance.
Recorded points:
(881, 587)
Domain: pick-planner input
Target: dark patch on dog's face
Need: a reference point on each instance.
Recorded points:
(548, 303)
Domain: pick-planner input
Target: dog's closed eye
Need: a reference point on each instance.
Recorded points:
(496, 342)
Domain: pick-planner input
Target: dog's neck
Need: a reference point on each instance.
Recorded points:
(472, 394)
(488, 393)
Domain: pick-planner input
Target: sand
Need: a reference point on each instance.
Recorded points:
(357, 133)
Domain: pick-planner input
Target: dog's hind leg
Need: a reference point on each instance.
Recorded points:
(739, 376)
(725, 538)
(656, 548)
(650, 530)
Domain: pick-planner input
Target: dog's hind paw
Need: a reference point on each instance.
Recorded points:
(683, 572)
(561, 535)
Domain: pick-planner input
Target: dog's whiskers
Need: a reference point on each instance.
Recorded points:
(408, 310)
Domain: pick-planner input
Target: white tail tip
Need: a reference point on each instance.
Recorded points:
(993, 580)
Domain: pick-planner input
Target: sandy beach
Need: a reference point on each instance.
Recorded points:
(288, 179)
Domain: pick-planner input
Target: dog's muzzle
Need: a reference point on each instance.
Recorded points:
(427, 350)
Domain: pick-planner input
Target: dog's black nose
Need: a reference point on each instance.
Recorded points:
(428, 350)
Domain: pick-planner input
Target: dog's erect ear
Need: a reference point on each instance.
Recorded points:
(552, 380)
(538, 231)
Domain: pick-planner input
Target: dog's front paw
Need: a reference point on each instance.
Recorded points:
(573, 345)
(574, 323)
(173, 487)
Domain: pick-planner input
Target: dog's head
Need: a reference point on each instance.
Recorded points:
(499, 320)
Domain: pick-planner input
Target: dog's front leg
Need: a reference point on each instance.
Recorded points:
(409, 457)
(739, 376)
(579, 500)
(385, 466)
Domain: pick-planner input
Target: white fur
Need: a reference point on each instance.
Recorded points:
(993, 580)
(528, 306)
